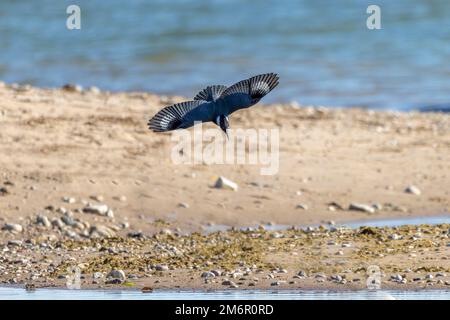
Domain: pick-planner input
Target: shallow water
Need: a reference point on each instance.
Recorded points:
(65, 294)
(322, 49)
(395, 222)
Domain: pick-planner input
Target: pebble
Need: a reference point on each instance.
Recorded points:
(68, 220)
(228, 283)
(116, 274)
(161, 267)
(208, 274)
(361, 207)
(71, 234)
(43, 220)
(58, 223)
(377, 206)
(396, 277)
(302, 274)
(98, 198)
(413, 190)
(13, 227)
(166, 231)
(3, 191)
(100, 209)
(68, 200)
(72, 87)
(100, 231)
(224, 183)
(276, 235)
(395, 236)
(278, 283)
(217, 273)
(121, 198)
(336, 278)
(61, 210)
(110, 213)
(135, 234)
(114, 281)
(183, 205)
(15, 243)
(302, 206)
(94, 90)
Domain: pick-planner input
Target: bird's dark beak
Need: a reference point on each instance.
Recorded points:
(226, 132)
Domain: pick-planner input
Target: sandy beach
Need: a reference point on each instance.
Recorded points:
(83, 179)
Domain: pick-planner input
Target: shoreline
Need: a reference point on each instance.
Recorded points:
(82, 167)
(407, 257)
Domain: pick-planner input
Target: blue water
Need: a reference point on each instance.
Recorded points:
(379, 223)
(65, 294)
(322, 49)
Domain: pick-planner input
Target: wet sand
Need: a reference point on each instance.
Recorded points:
(62, 150)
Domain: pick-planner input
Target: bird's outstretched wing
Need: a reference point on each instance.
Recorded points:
(255, 87)
(211, 93)
(171, 117)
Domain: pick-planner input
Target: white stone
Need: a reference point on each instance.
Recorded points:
(13, 227)
(224, 183)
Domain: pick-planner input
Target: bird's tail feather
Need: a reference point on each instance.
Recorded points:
(171, 117)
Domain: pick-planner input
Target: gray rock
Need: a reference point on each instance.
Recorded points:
(68, 220)
(43, 220)
(302, 274)
(277, 283)
(208, 274)
(302, 206)
(161, 267)
(114, 281)
(228, 283)
(396, 278)
(58, 223)
(336, 278)
(71, 234)
(217, 273)
(116, 274)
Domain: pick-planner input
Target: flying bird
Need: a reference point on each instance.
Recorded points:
(214, 104)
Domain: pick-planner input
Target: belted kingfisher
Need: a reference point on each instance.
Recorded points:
(214, 103)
